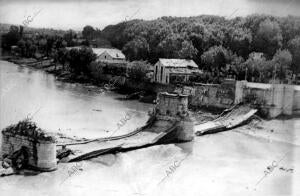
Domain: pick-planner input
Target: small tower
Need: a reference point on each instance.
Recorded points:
(174, 107)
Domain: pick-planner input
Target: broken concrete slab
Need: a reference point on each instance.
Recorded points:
(236, 117)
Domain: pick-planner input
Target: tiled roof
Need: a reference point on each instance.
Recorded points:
(115, 53)
(178, 63)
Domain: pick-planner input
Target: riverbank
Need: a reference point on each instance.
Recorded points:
(62, 73)
(47, 65)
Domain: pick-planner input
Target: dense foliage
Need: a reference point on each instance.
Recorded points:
(36, 44)
(137, 70)
(257, 47)
(79, 59)
(213, 42)
(29, 129)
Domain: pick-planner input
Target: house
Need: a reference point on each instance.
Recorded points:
(168, 71)
(109, 55)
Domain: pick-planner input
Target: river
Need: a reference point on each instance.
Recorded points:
(70, 108)
(228, 163)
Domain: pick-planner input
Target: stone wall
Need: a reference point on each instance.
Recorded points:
(172, 104)
(276, 99)
(213, 95)
(12, 143)
(41, 151)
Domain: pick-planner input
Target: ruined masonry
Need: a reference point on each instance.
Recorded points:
(174, 107)
(40, 148)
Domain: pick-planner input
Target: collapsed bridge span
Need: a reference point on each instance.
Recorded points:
(169, 122)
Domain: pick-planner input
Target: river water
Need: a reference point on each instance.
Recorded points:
(69, 108)
(228, 163)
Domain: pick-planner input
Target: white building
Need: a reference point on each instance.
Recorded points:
(174, 70)
(110, 55)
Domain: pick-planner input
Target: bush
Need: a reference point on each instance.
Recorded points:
(28, 128)
(138, 70)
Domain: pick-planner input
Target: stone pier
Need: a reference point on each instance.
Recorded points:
(40, 149)
(174, 108)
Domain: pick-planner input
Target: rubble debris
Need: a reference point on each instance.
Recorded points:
(6, 163)
(228, 120)
(63, 152)
(6, 171)
(6, 166)
(20, 158)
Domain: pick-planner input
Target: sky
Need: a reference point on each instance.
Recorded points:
(75, 14)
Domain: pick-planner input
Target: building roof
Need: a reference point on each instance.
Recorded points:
(114, 53)
(178, 63)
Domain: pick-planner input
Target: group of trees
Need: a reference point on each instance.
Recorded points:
(79, 59)
(90, 33)
(216, 44)
(37, 44)
(138, 70)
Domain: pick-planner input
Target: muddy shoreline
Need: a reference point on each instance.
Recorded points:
(64, 75)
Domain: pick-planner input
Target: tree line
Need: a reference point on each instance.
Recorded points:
(39, 44)
(218, 45)
(257, 47)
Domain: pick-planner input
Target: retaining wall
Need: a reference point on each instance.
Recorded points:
(276, 99)
(210, 95)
